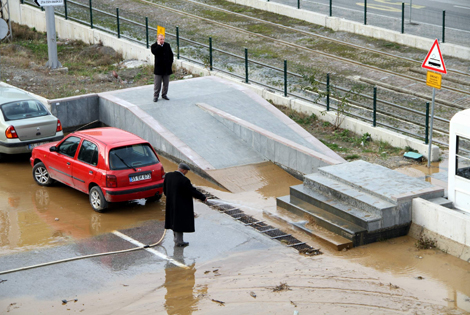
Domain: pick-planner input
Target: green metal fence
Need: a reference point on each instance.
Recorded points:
(328, 96)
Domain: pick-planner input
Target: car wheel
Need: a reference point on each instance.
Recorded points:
(41, 175)
(97, 201)
(154, 198)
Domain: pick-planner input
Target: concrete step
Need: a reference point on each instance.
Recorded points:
(347, 191)
(443, 202)
(323, 218)
(380, 181)
(334, 240)
(331, 239)
(368, 220)
(350, 194)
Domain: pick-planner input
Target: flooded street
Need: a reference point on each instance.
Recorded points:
(223, 275)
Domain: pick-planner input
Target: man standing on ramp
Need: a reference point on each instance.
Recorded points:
(179, 193)
(163, 67)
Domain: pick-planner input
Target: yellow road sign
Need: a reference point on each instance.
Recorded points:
(434, 79)
(160, 30)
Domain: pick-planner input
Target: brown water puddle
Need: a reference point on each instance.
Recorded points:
(397, 257)
(428, 174)
(32, 216)
(28, 216)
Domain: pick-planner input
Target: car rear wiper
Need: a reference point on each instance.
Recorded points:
(128, 166)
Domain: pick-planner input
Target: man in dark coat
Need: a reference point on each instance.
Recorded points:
(179, 193)
(163, 67)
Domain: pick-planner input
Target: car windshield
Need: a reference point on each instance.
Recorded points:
(23, 109)
(132, 156)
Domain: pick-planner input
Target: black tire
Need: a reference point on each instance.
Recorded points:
(154, 198)
(41, 175)
(97, 200)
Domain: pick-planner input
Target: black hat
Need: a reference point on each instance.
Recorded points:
(184, 166)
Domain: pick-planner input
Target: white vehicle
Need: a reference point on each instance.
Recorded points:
(25, 122)
(459, 161)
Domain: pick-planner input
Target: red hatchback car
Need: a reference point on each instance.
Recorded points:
(109, 164)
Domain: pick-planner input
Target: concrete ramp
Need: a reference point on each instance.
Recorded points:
(209, 122)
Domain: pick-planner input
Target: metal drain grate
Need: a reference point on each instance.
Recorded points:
(235, 213)
(288, 240)
(275, 233)
(307, 250)
(248, 220)
(225, 207)
(262, 227)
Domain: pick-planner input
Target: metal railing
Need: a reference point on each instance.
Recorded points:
(203, 54)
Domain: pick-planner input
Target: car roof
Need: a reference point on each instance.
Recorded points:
(11, 94)
(110, 135)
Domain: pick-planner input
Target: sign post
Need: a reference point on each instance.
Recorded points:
(53, 62)
(435, 62)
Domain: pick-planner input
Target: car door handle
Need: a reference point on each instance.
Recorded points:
(68, 163)
(91, 172)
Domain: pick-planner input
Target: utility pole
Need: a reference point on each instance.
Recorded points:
(53, 62)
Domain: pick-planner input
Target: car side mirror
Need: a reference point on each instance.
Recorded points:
(53, 149)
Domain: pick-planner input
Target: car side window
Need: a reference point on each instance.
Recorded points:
(69, 146)
(88, 153)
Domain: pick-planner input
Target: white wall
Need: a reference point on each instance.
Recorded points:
(449, 227)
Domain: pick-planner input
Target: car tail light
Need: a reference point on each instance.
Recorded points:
(111, 181)
(59, 126)
(10, 133)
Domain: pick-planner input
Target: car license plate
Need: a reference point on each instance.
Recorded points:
(33, 145)
(140, 177)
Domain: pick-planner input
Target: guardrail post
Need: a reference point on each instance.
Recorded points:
(375, 108)
(65, 9)
(91, 16)
(118, 26)
(327, 91)
(402, 17)
(147, 31)
(177, 43)
(210, 53)
(444, 26)
(365, 12)
(298, 4)
(285, 78)
(331, 7)
(426, 131)
(246, 65)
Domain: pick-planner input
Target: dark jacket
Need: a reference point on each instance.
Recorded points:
(179, 193)
(163, 59)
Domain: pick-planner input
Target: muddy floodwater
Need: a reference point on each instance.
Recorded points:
(388, 277)
(32, 216)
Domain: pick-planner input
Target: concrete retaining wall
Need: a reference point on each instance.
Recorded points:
(76, 111)
(340, 24)
(449, 227)
(279, 150)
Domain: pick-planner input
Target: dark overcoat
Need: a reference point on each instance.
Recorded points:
(163, 59)
(179, 193)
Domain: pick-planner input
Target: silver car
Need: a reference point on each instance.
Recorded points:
(25, 122)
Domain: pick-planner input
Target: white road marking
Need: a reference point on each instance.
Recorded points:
(150, 250)
(457, 6)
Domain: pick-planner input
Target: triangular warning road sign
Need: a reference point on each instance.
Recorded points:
(434, 60)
